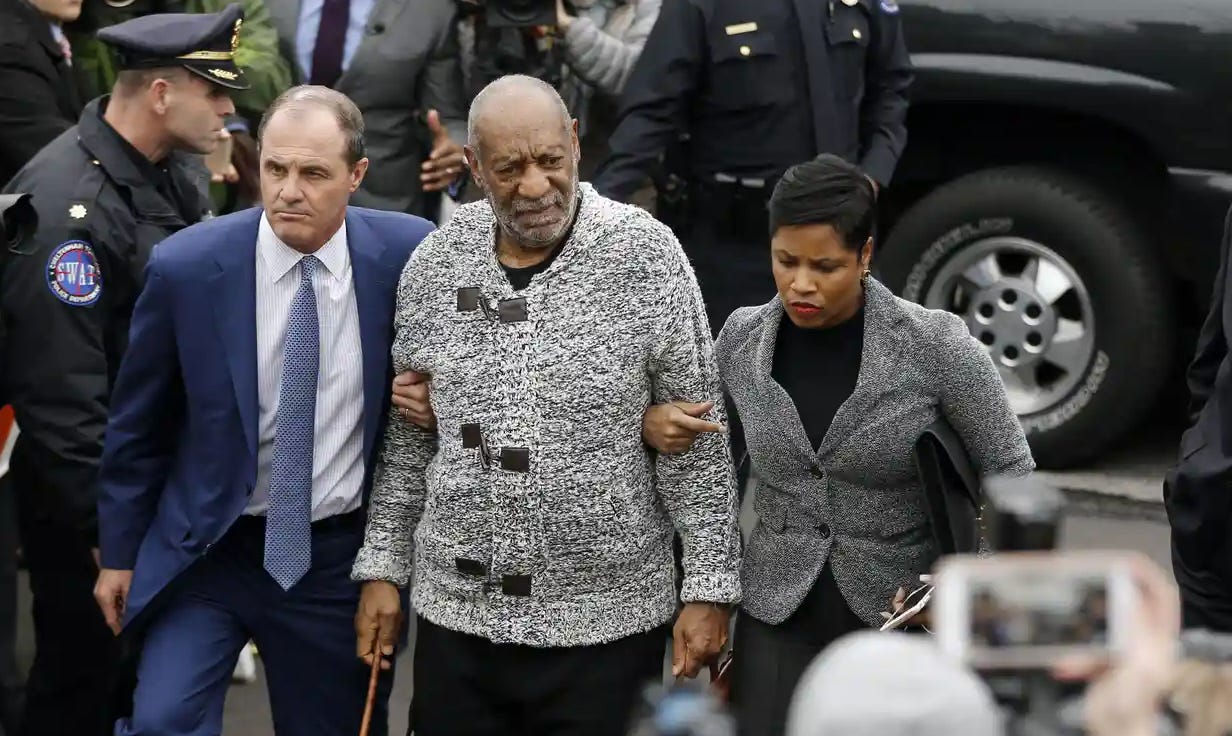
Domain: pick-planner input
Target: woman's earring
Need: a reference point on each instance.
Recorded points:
(864, 277)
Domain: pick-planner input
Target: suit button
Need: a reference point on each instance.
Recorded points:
(825, 531)
(817, 471)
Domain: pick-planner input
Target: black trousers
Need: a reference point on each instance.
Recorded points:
(11, 679)
(770, 659)
(1206, 598)
(468, 686)
(70, 686)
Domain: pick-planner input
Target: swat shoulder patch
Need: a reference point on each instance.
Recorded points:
(73, 274)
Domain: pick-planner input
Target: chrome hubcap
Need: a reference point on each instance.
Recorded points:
(1029, 309)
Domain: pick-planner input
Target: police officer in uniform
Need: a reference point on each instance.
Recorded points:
(128, 175)
(754, 87)
(17, 221)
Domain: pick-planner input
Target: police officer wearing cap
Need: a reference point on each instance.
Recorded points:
(106, 191)
(754, 87)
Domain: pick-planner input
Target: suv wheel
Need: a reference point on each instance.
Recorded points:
(1058, 282)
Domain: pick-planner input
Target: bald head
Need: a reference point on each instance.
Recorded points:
(523, 151)
(301, 101)
(518, 100)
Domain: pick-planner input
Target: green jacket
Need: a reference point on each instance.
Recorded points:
(266, 70)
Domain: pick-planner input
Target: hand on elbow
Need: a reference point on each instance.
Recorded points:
(672, 428)
(411, 399)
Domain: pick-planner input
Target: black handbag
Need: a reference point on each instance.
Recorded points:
(952, 495)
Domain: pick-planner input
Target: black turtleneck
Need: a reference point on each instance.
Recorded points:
(818, 368)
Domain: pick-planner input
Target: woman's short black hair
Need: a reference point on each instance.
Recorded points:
(826, 191)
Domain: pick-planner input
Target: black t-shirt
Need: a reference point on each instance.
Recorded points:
(520, 277)
(818, 368)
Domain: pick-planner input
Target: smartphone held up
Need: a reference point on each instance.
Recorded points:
(1030, 610)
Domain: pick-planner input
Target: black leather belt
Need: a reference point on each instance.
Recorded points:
(765, 183)
(350, 520)
(739, 207)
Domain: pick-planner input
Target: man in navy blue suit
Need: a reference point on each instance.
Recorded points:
(245, 421)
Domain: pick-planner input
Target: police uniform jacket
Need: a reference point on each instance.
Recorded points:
(759, 87)
(1196, 490)
(67, 296)
(563, 537)
(38, 96)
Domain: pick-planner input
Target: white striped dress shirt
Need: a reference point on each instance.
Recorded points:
(337, 463)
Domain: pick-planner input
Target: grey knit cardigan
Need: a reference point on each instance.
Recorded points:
(576, 550)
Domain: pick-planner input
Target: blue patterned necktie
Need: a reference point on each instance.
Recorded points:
(288, 521)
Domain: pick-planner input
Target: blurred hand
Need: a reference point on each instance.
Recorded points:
(111, 594)
(720, 679)
(245, 159)
(219, 162)
(672, 428)
(445, 162)
(1200, 694)
(563, 19)
(698, 637)
(896, 604)
(1124, 698)
(377, 621)
(412, 399)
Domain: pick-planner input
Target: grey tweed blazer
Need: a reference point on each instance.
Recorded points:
(857, 499)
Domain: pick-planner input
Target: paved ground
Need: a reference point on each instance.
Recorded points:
(1134, 470)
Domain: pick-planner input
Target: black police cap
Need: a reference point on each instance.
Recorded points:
(203, 43)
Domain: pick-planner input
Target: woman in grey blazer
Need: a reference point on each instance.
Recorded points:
(833, 381)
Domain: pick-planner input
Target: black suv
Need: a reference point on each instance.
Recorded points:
(1064, 188)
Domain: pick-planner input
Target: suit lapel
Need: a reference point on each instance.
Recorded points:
(778, 404)
(373, 302)
(383, 15)
(285, 16)
(65, 83)
(235, 309)
(877, 361)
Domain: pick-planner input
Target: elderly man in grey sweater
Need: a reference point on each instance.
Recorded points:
(539, 523)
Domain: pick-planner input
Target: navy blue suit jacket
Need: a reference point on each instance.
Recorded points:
(180, 457)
